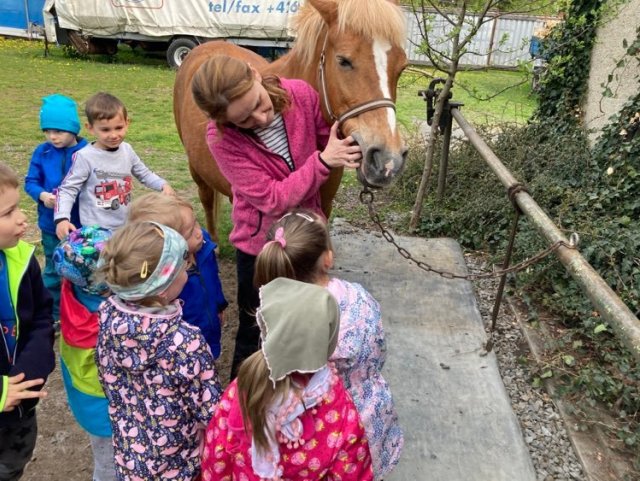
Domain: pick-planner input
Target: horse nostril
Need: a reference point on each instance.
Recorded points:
(379, 166)
(375, 159)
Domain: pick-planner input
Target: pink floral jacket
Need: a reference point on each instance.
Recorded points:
(334, 447)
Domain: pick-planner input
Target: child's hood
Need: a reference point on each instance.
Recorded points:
(140, 338)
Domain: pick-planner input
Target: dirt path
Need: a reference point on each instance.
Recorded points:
(62, 451)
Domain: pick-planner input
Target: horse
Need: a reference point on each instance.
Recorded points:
(351, 52)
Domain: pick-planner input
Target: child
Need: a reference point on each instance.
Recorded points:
(75, 260)
(156, 370)
(50, 162)
(288, 415)
(101, 173)
(204, 301)
(299, 247)
(26, 348)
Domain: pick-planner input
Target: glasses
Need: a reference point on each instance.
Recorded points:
(306, 217)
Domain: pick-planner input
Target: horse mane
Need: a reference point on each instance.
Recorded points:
(368, 18)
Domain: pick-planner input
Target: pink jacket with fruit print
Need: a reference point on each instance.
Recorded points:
(158, 375)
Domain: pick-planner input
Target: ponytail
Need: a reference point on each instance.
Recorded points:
(256, 393)
(272, 262)
(295, 245)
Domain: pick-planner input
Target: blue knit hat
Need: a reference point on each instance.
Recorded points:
(77, 255)
(59, 113)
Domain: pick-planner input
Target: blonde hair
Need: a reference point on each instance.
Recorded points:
(371, 19)
(160, 208)
(8, 178)
(256, 393)
(306, 241)
(127, 252)
(222, 79)
(104, 106)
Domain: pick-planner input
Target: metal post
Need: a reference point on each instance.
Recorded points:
(27, 18)
(603, 298)
(444, 162)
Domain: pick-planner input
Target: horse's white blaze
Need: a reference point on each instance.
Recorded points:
(381, 54)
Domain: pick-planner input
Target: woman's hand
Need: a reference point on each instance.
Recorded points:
(341, 152)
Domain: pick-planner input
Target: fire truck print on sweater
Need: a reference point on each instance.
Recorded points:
(103, 182)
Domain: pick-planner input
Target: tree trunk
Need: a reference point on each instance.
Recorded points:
(428, 161)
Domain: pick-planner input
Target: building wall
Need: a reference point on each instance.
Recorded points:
(501, 42)
(607, 51)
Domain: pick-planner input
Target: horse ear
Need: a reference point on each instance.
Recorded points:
(328, 9)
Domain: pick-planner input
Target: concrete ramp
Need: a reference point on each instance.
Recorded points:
(453, 407)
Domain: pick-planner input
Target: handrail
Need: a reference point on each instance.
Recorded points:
(604, 299)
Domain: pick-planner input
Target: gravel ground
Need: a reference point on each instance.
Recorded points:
(542, 426)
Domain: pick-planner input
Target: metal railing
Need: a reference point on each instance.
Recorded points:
(624, 323)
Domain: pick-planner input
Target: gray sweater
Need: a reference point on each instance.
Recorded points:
(103, 180)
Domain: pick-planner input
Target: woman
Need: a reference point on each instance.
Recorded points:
(272, 144)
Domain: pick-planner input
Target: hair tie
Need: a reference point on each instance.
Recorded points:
(279, 237)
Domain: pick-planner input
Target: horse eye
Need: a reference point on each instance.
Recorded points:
(344, 62)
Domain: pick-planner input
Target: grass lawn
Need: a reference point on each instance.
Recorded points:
(145, 85)
(514, 105)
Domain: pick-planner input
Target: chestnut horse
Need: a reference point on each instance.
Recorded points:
(351, 52)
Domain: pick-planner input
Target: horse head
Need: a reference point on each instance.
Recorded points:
(354, 50)
(360, 45)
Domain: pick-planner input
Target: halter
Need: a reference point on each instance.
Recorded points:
(353, 111)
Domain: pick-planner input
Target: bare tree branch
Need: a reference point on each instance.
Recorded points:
(443, 14)
(446, 58)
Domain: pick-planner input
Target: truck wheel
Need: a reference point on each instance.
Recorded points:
(115, 204)
(178, 51)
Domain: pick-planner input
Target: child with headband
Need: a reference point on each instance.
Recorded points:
(299, 247)
(156, 370)
(288, 415)
(202, 296)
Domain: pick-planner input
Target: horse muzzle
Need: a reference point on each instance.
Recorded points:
(379, 165)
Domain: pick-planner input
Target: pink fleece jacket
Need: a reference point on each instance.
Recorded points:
(263, 186)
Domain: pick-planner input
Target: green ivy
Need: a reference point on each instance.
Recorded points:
(568, 52)
(594, 192)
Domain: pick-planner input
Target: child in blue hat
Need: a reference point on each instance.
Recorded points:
(50, 163)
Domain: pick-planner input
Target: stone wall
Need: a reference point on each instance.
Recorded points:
(607, 51)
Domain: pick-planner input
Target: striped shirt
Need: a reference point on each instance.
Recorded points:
(274, 137)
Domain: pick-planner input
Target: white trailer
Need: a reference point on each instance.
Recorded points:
(174, 26)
